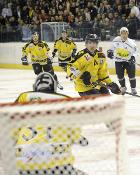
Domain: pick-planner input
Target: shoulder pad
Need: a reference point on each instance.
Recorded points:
(80, 53)
(117, 39)
(57, 40)
(68, 41)
(42, 44)
(131, 41)
(26, 45)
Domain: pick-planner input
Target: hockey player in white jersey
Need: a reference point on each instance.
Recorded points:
(124, 52)
(41, 149)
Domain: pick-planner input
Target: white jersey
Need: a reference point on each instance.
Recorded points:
(124, 50)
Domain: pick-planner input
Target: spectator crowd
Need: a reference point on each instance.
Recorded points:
(103, 17)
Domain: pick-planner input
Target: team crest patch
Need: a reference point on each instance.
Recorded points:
(88, 57)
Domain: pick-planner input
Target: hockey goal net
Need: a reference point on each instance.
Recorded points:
(83, 136)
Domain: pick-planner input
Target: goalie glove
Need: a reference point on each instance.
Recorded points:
(86, 78)
(114, 88)
(24, 61)
(110, 54)
(132, 60)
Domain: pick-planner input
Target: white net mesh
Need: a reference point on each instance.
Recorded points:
(81, 136)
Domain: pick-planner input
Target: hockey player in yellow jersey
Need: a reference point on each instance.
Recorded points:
(41, 149)
(66, 49)
(38, 52)
(90, 68)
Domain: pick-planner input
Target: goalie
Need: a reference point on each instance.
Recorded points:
(124, 52)
(89, 69)
(46, 150)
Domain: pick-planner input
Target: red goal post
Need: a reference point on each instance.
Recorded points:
(107, 156)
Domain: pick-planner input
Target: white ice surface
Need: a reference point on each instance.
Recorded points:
(14, 82)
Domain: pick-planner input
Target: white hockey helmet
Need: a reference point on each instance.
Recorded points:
(45, 82)
(124, 29)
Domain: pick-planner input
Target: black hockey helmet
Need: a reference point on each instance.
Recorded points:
(92, 38)
(45, 82)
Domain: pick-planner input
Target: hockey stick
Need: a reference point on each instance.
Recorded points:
(62, 62)
(106, 86)
(129, 93)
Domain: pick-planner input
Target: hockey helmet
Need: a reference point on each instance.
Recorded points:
(92, 38)
(45, 82)
(124, 29)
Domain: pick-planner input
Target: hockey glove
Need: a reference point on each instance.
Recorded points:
(24, 61)
(73, 53)
(114, 88)
(104, 90)
(86, 78)
(110, 54)
(132, 60)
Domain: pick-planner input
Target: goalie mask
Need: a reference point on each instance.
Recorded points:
(45, 82)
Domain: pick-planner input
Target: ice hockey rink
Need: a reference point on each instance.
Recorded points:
(13, 82)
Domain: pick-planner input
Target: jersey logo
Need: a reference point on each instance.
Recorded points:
(88, 57)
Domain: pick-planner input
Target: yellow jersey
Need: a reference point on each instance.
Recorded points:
(38, 96)
(95, 63)
(42, 147)
(38, 53)
(64, 48)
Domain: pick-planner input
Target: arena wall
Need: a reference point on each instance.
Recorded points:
(10, 55)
